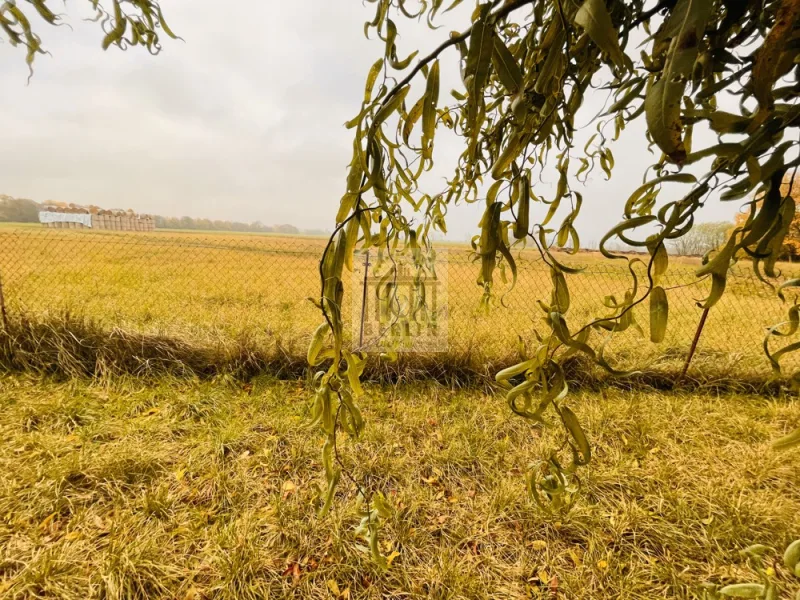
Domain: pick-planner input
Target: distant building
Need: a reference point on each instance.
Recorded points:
(80, 217)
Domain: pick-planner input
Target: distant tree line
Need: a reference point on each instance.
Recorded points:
(18, 210)
(23, 210)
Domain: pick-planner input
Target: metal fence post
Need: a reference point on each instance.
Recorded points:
(3, 313)
(364, 299)
(696, 339)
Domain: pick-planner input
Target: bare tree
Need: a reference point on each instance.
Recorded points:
(702, 238)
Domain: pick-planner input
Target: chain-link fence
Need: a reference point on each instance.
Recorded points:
(207, 286)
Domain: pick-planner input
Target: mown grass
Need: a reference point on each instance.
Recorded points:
(221, 287)
(113, 488)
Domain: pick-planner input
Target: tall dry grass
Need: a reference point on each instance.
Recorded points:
(216, 289)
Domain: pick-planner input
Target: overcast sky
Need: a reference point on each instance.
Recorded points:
(243, 121)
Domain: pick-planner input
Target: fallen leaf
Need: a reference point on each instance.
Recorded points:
(554, 586)
(288, 487)
(46, 522)
(334, 588)
(602, 564)
(543, 576)
(576, 558)
(539, 545)
(191, 594)
(391, 557)
(442, 519)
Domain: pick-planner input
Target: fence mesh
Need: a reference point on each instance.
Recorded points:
(201, 286)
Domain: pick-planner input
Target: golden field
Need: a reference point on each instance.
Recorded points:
(206, 285)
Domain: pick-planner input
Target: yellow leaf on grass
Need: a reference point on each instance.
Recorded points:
(46, 522)
(334, 588)
(539, 545)
(602, 564)
(576, 559)
(288, 486)
(543, 575)
(392, 556)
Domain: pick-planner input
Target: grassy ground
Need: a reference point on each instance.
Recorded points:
(115, 489)
(207, 287)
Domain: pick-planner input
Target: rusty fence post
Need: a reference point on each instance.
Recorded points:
(3, 313)
(696, 339)
(363, 300)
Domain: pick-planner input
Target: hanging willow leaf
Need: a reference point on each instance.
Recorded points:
(390, 107)
(479, 62)
(787, 284)
(526, 69)
(663, 100)
(574, 427)
(642, 192)
(523, 208)
(506, 66)
(560, 291)
(413, 116)
(766, 69)
(593, 17)
(718, 269)
(659, 312)
(429, 110)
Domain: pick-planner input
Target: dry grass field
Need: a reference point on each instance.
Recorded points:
(188, 490)
(174, 487)
(209, 286)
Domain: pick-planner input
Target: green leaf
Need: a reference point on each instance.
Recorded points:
(593, 17)
(390, 106)
(411, 119)
(120, 23)
(663, 100)
(372, 76)
(560, 290)
(619, 229)
(743, 590)
(573, 426)
(659, 312)
(636, 197)
(787, 284)
(787, 441)
(505, 64)
(479, 62)
(660, 263)
(791, 556)
(765, 69)
(429, 110)
(523, 209)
